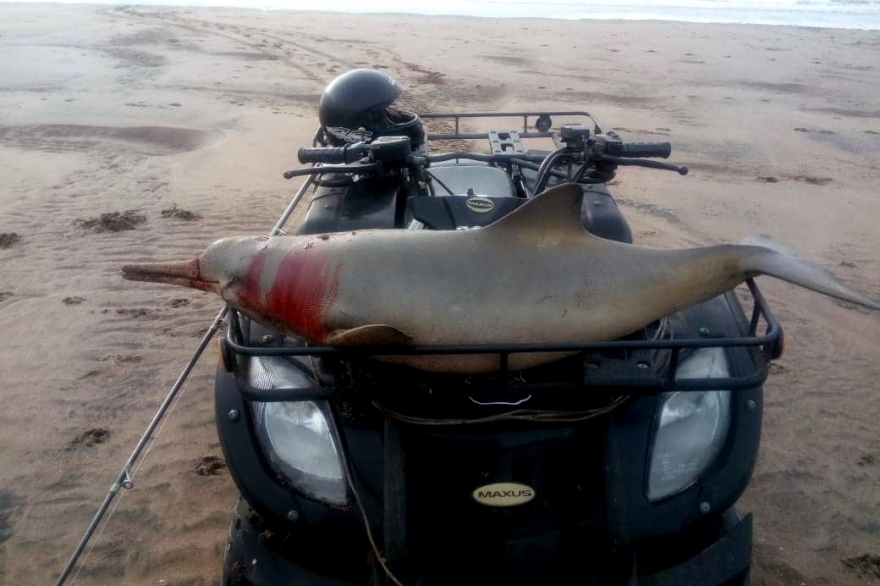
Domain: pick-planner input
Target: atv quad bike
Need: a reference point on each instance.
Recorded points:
(620, 465)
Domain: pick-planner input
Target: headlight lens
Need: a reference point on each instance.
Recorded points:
(296, 436)
(692, 428)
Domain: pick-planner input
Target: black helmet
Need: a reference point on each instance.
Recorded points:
(361, 99)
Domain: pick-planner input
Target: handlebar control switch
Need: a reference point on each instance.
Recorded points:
(574, 135)
(612, 145)
(390, 149)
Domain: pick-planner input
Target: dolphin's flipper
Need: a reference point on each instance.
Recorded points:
(376, 334)
(772, 259)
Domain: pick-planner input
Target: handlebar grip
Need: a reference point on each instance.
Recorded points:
(329, 155)
(332, 155)
(647, 149)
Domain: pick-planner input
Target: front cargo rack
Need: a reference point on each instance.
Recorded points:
(599, 366)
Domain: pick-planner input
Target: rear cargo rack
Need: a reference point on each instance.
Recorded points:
(633, 374)
(542, 123)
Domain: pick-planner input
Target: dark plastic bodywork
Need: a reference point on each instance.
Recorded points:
(593, 494)
(371, 203)
(342, 204)
(601, 216)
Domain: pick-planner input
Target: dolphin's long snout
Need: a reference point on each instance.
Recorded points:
(185, 273)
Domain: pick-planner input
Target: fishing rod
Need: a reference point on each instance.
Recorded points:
(124, 480)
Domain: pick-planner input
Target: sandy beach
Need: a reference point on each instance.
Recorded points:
(181, 121)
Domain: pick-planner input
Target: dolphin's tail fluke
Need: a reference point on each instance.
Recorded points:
(775, 260)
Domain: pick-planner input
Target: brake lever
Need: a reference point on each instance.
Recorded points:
(680, 169)
(322, 169)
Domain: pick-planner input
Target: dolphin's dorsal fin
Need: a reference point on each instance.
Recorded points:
(557, 209)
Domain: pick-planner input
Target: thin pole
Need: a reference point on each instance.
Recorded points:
(124, 478)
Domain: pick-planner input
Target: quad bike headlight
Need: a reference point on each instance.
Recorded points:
(692, 428)
(296, 435)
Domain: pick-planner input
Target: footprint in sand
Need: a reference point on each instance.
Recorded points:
(9, 239)
(180, 214)
(209, 466)
(113, 221)
(135, 312)
(812, 180)
(90, 438)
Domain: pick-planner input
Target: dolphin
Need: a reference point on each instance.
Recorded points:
(533, 276)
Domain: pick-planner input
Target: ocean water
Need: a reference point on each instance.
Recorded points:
(850, 14)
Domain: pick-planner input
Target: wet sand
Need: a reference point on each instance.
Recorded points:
(131, 134)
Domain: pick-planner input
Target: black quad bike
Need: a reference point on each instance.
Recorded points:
(620, 465)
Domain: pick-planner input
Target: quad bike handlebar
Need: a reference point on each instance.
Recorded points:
(606, 150)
